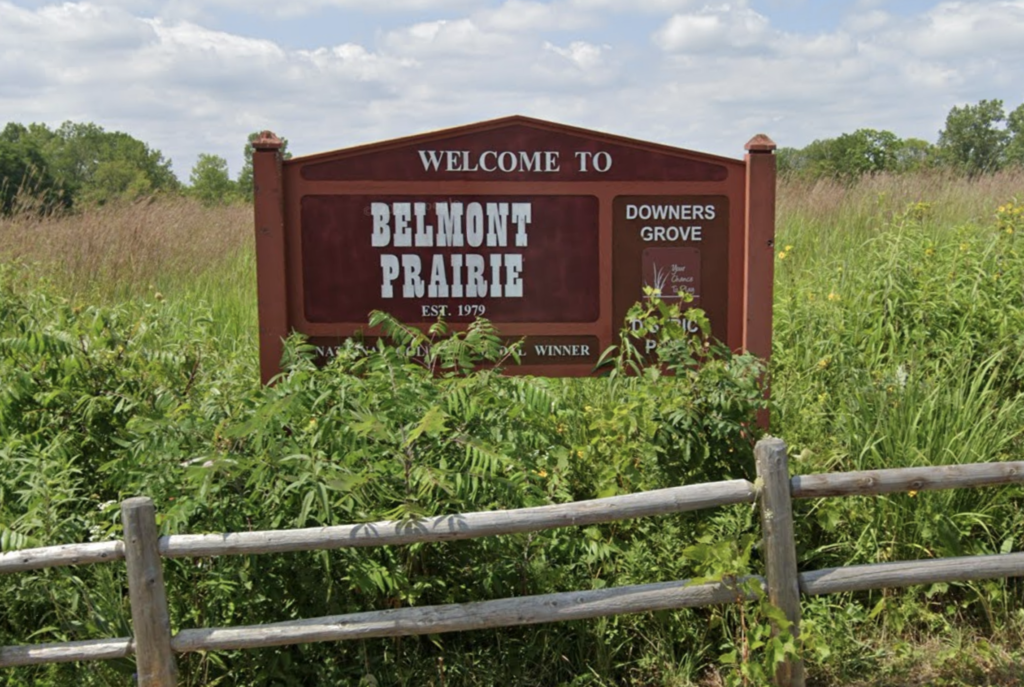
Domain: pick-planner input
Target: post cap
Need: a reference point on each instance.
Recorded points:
(760, 144)
(267, 140)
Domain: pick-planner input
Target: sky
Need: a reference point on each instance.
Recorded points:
(191, 76)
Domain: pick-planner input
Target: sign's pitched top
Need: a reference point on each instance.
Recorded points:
(514, 148)
(499, 123)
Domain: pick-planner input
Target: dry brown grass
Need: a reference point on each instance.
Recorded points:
(966, 661)
(951, 198)
(124, 250)
(961, 659)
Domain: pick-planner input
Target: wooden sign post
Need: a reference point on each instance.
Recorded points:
(549, 231)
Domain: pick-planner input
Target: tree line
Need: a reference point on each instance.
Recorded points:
(77, 164)
(977, 139)
(81, 164)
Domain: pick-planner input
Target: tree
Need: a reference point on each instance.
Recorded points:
(98, 166)
(210, 181)
(850, 156)
(877, 151)
(914, 155)
(791, 161)
(973, 141)
(1015, 128)
(245, 174)
(25, 174)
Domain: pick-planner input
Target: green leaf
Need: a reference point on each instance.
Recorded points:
(879, 607)
(432, 423)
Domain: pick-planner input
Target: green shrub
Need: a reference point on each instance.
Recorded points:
(102, 403)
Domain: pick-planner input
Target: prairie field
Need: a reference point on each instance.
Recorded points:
(129, 366)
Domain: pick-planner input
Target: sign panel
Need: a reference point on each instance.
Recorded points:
(549, 231)
(668, 242)
(418, 257)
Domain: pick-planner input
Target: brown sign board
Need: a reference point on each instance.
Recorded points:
(549, 231)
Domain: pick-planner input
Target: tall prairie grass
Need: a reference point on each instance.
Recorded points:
(120, 251)
(199, 259)
(836, 218)
(898, 320)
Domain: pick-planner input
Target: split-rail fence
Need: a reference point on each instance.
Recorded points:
(154, 646)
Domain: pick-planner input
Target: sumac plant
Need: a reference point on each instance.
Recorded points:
(98, 404)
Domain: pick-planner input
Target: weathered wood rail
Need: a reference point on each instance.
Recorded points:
(154, 645)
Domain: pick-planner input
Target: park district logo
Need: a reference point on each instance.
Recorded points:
(672, 271)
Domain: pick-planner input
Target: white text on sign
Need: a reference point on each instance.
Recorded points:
(512, 161)
(456, 225)
(671, 232)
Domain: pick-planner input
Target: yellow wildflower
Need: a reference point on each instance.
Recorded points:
(788, 248)
(782, 255)
(542, 473)
(912, 493)
(833, 296)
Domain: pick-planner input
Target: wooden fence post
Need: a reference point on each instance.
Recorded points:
(779, 545)
(150, 620)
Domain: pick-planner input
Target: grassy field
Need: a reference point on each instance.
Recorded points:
(128, 365)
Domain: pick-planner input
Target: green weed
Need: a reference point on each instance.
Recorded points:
(132, 369)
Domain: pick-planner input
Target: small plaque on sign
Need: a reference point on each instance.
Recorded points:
(676, 243)
(672, 271)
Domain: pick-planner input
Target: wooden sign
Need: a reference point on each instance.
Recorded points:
(549, 231)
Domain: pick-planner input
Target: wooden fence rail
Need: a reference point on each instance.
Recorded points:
(154, 645)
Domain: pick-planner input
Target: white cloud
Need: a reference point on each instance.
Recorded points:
(966, 29)
(705, 74)
(462, 38)
(868, 21)
(584, 55)
(714, 29)
(188, 37)
(531, 15)
(71, 28)
(822, 47)
(577, 68)
(645, 6)
(194, 9)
